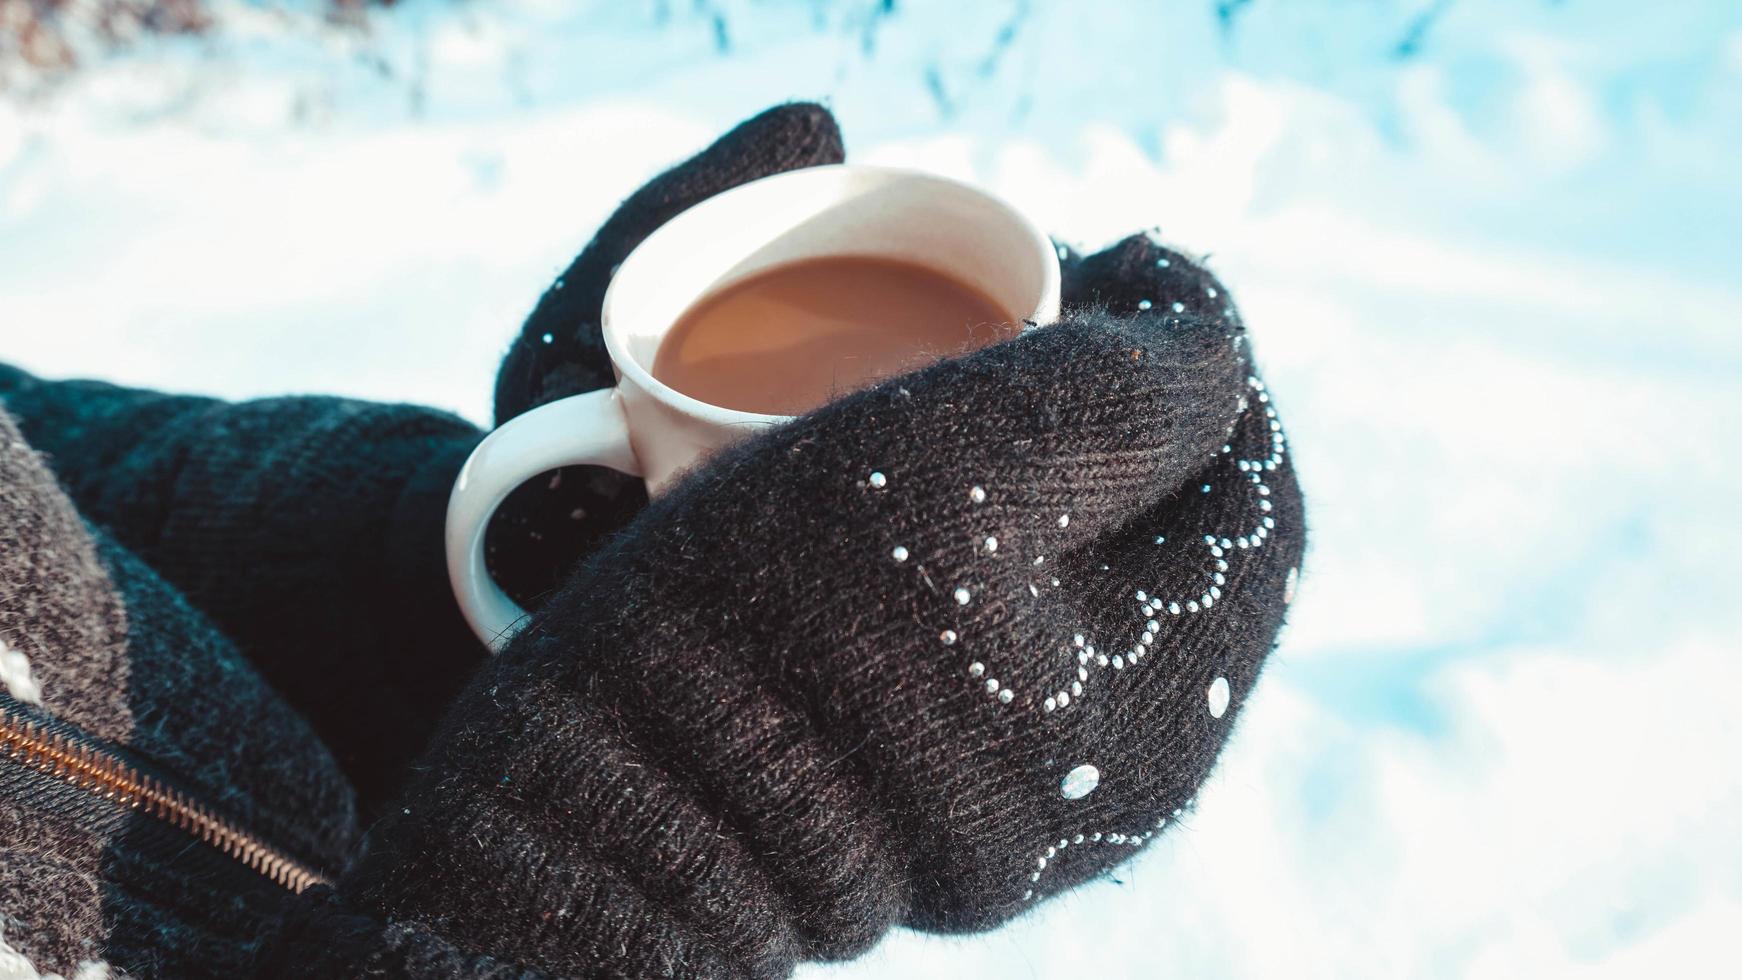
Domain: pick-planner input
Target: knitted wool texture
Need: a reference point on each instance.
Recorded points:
(119, 661)
(308, 528)
(849, 675)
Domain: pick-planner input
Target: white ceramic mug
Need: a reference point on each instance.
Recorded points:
(645, 428)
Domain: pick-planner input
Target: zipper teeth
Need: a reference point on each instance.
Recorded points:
(94, 772)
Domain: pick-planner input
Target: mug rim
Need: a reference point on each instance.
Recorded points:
(625, 363)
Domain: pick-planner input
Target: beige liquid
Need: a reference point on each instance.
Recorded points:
(792, 338)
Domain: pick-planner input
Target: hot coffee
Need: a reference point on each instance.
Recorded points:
(792, 338)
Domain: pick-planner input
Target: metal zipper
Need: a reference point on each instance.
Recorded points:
(89, 769)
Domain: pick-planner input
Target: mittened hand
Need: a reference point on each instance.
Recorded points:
(927, 656)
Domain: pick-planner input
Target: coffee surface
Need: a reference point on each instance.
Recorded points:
(792, 338)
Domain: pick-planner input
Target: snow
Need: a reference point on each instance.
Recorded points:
(1492, 286)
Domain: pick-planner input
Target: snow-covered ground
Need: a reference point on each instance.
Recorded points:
(1489, 261)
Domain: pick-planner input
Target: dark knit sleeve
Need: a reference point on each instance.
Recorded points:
(309, 529)
(129, 726)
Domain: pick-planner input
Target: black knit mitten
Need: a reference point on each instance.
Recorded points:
(311, 528)
(928, 656)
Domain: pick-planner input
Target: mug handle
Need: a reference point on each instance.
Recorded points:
(587, 429)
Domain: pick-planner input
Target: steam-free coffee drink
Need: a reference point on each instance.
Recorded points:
(792, 338)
